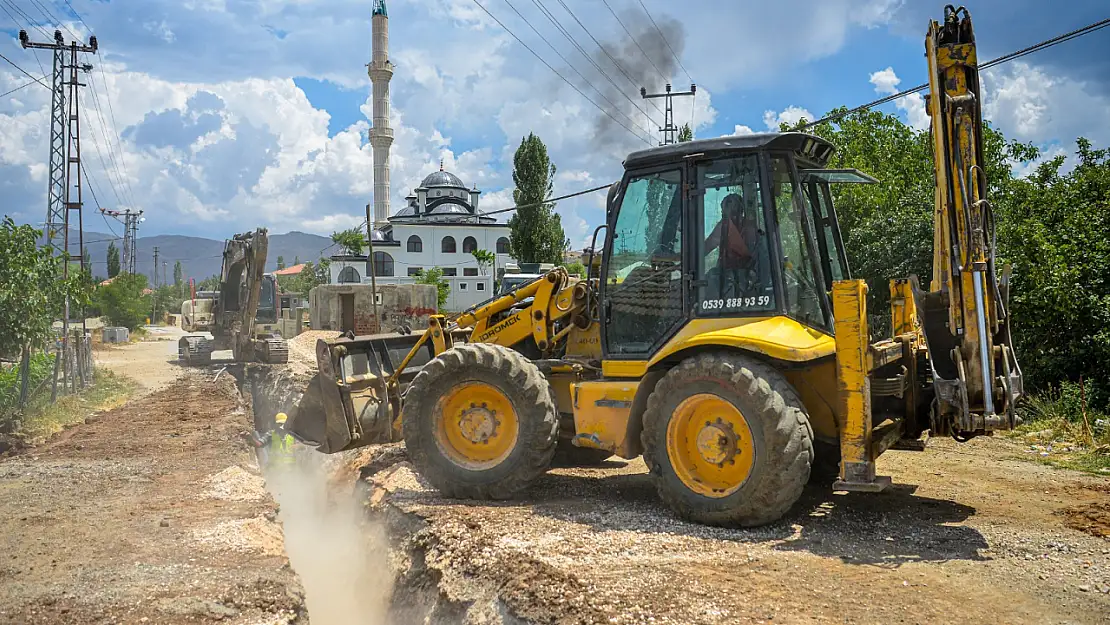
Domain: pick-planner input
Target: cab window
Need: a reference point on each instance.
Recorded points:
(735, 259)
(643, 275)
(800, 283)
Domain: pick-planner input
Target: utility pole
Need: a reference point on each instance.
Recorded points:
(668, 129)
(131, 220)
(154, 295)
(155, 275)
(64, 191)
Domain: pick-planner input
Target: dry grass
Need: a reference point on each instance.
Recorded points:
(43, 419)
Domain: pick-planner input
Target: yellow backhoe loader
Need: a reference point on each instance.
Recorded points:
(720, 335)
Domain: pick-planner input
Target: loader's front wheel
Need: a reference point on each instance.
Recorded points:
(480, 422)
(727, 441)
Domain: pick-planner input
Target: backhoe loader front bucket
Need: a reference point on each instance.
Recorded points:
(358, 397)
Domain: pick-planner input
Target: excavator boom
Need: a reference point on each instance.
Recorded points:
(964, 314)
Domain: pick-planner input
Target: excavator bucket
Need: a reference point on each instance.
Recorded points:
(358, 391)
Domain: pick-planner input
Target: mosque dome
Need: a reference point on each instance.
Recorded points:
(442, 179)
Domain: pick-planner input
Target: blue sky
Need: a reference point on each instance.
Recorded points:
(215, 116)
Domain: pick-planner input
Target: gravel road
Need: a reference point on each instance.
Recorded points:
(967, 535)
(149, 513)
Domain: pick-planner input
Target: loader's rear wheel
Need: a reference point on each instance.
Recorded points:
(479, 422)
(727, 441)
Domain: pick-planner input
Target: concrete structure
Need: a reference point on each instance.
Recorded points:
(381, 135)
(349, 307)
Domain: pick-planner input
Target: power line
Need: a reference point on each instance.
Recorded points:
(30, 21)
(103, 165)
(615, 62)
(627, 32)
(50, 17)
(1048, 43)
(558, 26)
(7, 93)
(115, 129)
(548, 200)
(665, 42)
(579, 91)
(111, 154)
(78, 15)
(13, 64)
(572, 67)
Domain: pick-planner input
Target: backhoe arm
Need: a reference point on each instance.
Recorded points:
(964, 317)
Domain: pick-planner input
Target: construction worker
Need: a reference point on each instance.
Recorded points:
(276, 447)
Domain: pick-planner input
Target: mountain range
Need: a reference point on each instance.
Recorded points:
(200, 257)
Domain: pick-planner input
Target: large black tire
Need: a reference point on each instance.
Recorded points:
(521, 382)
(781, 435)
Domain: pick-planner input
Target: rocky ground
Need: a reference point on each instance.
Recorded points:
(153, 512)
(967, 535)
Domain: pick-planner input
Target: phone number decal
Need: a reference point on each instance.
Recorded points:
(735, 302)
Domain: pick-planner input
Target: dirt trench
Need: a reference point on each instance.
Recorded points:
(969, 533)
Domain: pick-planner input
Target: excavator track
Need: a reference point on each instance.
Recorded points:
(194, 350)
(275, 351)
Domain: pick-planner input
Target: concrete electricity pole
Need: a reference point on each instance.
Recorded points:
(155, 275)
(668, 129)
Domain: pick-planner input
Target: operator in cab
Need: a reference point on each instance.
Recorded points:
(737, 239)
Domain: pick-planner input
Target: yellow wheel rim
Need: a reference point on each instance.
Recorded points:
(710, 445)
(476, 425)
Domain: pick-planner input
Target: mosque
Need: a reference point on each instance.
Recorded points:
(439, 226)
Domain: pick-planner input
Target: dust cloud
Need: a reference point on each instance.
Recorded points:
(340, 557)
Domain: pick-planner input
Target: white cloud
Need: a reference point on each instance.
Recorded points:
(791, 115)
(913, 105)
(1031, 104)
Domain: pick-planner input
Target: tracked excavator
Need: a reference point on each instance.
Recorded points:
(721, 335)
(244, 313)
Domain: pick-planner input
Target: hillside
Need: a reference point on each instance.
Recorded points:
(200, 257)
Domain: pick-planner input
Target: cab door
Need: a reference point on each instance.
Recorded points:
(643, 290)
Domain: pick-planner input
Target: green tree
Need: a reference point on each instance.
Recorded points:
(309, 278)
(485, 259)
(434, 277)
(281, 262)
(113, 260)
(296, 260)
(577, 269)
(685, 134)
(351, 240)
(32, 295)
(123, 301)
(178, 274)
(536, 230)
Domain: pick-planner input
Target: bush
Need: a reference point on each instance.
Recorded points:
(123, 302)
(42, 366)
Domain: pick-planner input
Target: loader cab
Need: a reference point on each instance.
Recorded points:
(738, 228)
(267, 300)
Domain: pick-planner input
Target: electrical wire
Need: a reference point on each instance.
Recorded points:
(13, 64)
(556, 72)
(1048, 43)
(100, 156)
(575, 70)
(548, 201)
(615, 62)
(50, 17)
(559, 26)
(30, 21)
(626, 31)
(7, 93)
(665, 42)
